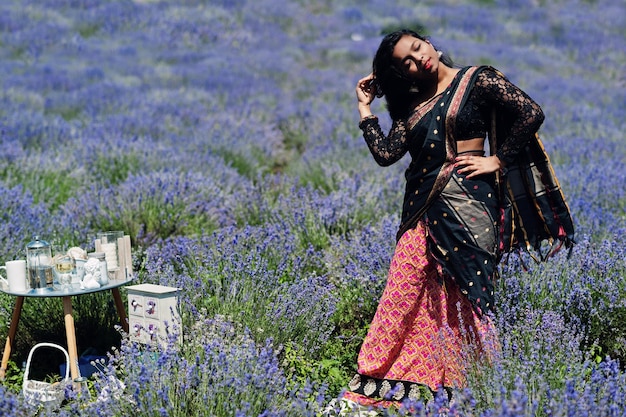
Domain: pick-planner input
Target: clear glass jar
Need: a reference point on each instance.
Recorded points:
(81, 388)
(104, 272)
(108, 245)
(64, 266)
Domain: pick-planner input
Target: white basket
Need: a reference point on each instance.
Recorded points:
(44, 393)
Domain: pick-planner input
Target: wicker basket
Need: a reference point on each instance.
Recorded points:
(44, 393)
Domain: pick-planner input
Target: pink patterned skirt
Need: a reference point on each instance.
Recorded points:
(423, 334)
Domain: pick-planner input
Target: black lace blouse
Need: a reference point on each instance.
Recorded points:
(473, 121)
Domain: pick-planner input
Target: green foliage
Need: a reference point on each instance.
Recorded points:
(294, 133)
(262, 205)
(87, 30)
(67, 112)
(150, 215)
(607, 333)
(53, 187)
(354, 312)
(108, 169)
(238, 161)
(311, 232)
(300, 368)
(251, 308)
(316, 174)
(14, 377)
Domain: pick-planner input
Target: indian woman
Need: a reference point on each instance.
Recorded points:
(458, 216)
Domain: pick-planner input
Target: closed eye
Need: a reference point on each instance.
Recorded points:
(406, 65)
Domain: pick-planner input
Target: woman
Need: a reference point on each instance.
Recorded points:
(432, 318)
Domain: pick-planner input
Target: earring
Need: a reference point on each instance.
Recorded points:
(439, 54)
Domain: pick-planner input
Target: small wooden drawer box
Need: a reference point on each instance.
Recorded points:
(152, 311)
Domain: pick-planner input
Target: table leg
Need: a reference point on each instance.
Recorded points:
(15, 318)
(121, 310)
(70, 332)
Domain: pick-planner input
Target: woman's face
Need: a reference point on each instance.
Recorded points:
(416, 58)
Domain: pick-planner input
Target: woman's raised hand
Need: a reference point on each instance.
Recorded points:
(366, 90)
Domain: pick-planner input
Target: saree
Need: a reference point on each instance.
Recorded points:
(428, 325)
(430, 321)
(424, 333)
(463, 228)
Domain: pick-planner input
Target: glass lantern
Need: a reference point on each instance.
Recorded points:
(39, 265)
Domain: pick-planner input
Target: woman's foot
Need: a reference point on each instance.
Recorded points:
(347, 408)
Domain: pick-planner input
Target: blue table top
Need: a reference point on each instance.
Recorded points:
(73, 290)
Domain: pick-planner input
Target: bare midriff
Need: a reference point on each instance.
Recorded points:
(476, 144)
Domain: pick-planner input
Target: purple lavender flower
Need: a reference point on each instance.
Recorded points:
(222, 137)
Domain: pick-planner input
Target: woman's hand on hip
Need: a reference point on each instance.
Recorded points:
(474, 165)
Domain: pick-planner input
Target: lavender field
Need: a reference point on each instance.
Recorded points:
(222, 136)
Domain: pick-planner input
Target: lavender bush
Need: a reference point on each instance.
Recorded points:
(222, 136)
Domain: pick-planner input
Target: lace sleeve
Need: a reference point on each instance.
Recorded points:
(525, 114)
(385, 149)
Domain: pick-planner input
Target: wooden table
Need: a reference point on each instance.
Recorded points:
(66, 294)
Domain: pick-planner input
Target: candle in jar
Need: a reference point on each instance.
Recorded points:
(110, 254)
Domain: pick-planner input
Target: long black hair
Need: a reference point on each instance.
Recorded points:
(390, 80)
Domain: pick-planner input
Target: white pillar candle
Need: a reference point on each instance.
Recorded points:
(110, 254)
